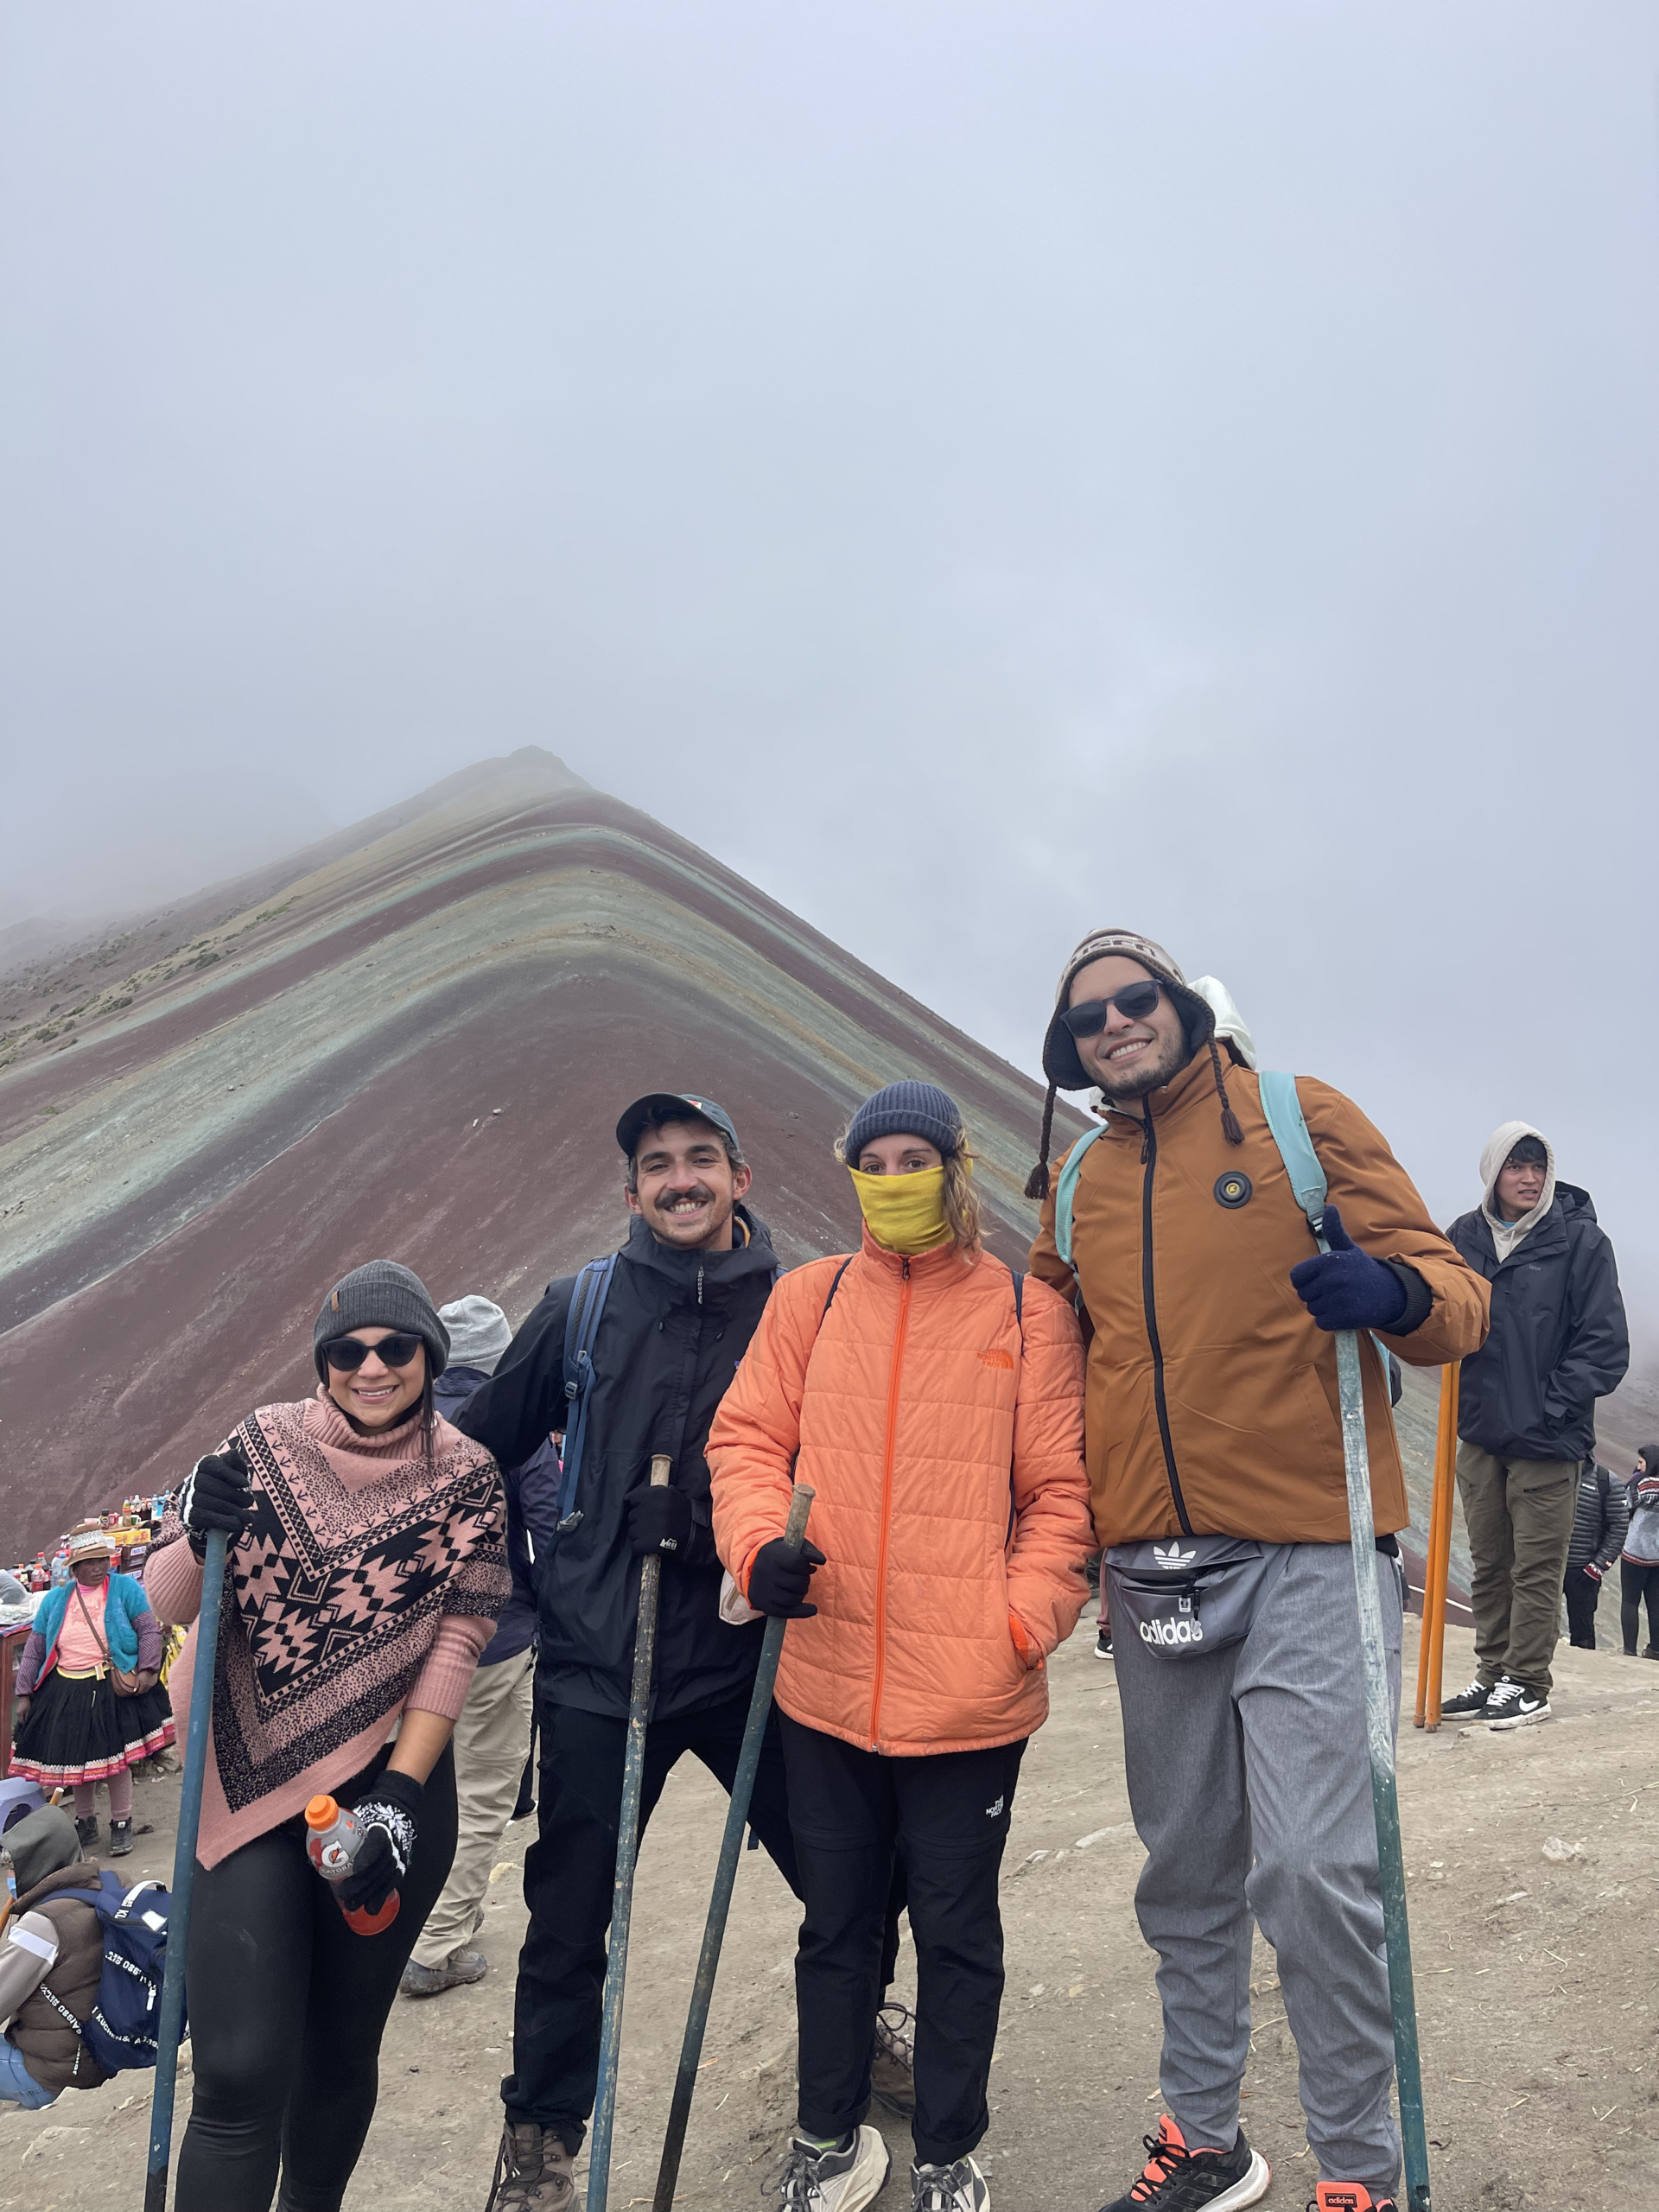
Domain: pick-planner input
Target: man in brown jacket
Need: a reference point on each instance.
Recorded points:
(1215, 1464)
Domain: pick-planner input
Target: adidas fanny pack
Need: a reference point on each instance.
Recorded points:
(1192, 1593)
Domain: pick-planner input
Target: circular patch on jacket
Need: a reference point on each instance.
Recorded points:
(1232, 1190)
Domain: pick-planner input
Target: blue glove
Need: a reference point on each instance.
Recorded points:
(1345, 1287)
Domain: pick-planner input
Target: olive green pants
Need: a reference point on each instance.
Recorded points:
(1519, 1515)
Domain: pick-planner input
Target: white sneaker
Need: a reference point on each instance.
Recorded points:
(835, 2181)
(958, 2188)
(1512, 1705)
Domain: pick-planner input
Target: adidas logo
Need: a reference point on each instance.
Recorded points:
(1172, 1556)
(1171, 1632)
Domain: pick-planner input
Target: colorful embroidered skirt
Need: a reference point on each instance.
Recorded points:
(78, 1729)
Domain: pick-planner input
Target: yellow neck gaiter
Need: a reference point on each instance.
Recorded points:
(905, 1213)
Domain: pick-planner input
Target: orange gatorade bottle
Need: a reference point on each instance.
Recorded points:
(335, 1837)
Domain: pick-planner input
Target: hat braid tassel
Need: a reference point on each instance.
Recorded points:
(1037, 1181)
(1229, 1127)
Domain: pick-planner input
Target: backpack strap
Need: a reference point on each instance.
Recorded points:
(1065, 1189)
(1018, 1301)
(834, 1287)
(593, 1287)
(1283, 1109)
(1285, 1118)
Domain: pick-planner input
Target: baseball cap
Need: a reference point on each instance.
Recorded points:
(659, 1106)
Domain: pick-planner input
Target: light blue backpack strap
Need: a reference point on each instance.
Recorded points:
(1284, 1111)
(1064, 1190)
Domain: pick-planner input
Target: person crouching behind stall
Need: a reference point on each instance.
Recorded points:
(934, 1402)
(366, 1568)
(89, 1705)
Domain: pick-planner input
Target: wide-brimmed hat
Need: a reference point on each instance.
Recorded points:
(89, 1541)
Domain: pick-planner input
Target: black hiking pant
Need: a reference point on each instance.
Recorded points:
(1635, 1581)
(570, 1876)
(288, 2004)
(942, 1821)
(1583, 1595)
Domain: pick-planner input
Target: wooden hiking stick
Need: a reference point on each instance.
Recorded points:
(627, 1853)
(1437, 1568)
(171, 2025)
(731, 1845)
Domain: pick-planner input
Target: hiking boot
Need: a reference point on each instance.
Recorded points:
(86, 1830)
(1349, 2196)
(1104, 1640)
(892, 2080)
(459, 1968)
(1512, 1705)
(533, 2171)
(958, 2188)
(120, 1839)
(844, 2179)
(1176, 2179)
(1472, 1700)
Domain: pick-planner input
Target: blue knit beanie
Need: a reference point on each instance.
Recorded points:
(913, 1110)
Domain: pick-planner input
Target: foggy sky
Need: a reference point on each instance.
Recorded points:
(983, 472)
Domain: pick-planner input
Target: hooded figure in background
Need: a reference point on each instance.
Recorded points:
(1527, 1409)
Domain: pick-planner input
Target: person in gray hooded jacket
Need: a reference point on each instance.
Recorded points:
(1526, 1410)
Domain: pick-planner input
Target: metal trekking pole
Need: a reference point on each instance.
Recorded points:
(627, 1851)
(1379, 1732)
(731, 1845)
(171, 2025)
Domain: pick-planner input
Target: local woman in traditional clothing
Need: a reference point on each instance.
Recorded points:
(89, 1701)
(366, 1568)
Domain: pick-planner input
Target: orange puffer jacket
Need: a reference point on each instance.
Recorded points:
(944, 1440)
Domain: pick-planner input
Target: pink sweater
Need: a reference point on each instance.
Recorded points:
(367, 1585)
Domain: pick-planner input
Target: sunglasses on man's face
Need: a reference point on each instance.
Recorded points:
(348, 1353)
(1134, 1002)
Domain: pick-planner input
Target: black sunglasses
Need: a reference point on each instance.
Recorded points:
(1134, 1002)
(348, 1353)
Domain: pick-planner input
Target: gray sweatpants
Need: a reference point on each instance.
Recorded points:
(1251, 1789)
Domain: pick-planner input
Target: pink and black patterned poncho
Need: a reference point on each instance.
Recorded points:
(369, 1580)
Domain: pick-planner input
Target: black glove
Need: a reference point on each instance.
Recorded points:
(389, 1810)
(660, 1521)
(218, 1494)
(1345, 1287)
(781, 1579)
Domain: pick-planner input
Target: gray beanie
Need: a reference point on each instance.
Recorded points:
(381, 1295)
(478, 1332)
(906, 1110)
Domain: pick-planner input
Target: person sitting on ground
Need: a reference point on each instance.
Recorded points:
(1527, 1411)
(366, 1570)
(89, 1706)
(491, 1738)
(1599, 1520)
(1638, 1569)
(941, 1427)
(42, 2053)
(1215, 1450)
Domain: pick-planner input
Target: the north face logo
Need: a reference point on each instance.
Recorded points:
(1172, 1556)
(991, 1811)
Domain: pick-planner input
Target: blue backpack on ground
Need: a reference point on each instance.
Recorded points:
(120, 2031)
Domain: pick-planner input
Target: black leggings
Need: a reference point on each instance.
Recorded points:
(288, 2005)
(1634, 1581)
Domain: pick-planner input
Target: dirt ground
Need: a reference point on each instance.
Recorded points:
(1542, 2087)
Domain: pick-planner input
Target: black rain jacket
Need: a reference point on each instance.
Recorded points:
(1558, 1340)
(532, 1493)
(674, 1325)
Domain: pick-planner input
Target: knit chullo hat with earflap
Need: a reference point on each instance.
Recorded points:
(381, 1295)
(1065, 1071)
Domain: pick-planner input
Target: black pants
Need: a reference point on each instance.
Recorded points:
(570, 1875)
(1583, 1595)
(945, 1820)
(1635, 1581)
(288, 2005)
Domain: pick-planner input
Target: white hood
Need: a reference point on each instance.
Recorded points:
(1506, 1235)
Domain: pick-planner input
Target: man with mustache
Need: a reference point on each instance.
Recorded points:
(1214, 1445)
(686, 1294)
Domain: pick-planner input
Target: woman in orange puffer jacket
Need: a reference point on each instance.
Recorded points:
(934, 1401)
